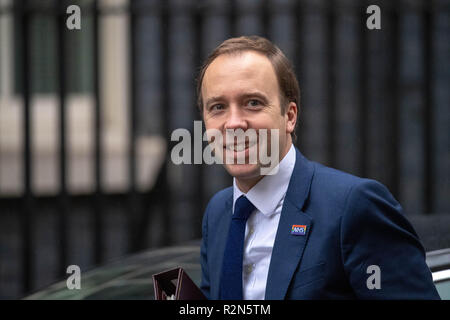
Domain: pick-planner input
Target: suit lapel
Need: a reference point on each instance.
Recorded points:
(288, 248)
(221, 239)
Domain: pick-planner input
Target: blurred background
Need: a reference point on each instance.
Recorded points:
(86, 117)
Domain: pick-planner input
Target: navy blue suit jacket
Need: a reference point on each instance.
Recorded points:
(352, 223)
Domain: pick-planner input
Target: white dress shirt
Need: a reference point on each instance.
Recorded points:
(261, 228)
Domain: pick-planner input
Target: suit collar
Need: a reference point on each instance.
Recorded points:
(301, 179)
(288, 248)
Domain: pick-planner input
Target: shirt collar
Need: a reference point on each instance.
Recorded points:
(271, 189)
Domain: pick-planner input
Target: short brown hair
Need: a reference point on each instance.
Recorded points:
(287, 81)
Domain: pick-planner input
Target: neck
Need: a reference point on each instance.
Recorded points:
(245, 184)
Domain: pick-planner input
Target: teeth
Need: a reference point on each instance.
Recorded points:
(239, 147)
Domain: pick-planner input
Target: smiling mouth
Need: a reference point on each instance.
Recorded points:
(236, 148)
(239, 147)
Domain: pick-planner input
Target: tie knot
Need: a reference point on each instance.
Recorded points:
(243, 208)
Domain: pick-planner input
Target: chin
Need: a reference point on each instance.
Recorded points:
(243, 171)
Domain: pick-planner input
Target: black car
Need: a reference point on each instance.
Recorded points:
(131, 278)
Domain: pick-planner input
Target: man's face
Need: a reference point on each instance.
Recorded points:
(240, 91)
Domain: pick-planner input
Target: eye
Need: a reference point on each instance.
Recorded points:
(254, 103)
(216, 107)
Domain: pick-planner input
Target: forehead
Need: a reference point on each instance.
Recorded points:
(239, 72)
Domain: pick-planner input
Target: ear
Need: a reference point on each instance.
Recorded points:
(291, 117)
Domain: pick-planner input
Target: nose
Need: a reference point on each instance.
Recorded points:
(235, 119)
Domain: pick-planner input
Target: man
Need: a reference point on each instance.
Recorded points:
(308, 231)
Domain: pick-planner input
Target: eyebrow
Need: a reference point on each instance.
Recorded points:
(247, 95)
(213, 99)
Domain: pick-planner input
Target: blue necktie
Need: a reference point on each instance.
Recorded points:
(231, 277)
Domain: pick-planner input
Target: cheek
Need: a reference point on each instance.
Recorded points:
(268, 121)
(211, 123)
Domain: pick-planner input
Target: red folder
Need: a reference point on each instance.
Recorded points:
(175, 284)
